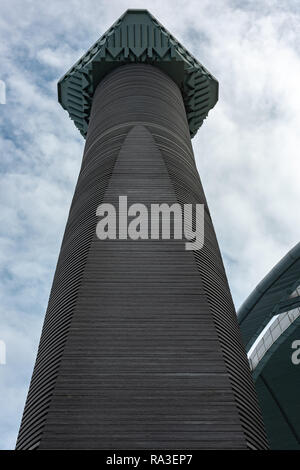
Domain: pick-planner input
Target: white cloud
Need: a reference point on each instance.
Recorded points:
(252, 143)
(61, 58)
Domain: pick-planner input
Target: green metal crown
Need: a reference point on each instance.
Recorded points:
(137, 37)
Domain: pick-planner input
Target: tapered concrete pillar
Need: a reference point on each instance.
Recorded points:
(140, 347)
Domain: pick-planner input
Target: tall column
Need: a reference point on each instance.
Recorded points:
(140, 346)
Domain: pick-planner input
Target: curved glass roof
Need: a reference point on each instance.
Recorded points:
(272, 296)
(270, 324)
(274, 329)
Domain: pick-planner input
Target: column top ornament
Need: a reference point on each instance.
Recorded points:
(137, 37)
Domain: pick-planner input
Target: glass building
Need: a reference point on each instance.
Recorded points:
(270, 323)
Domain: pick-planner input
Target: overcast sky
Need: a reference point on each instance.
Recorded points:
(247, 151)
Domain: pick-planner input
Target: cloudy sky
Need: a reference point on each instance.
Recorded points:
(247, 151)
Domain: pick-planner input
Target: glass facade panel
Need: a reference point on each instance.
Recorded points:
(274, 329)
